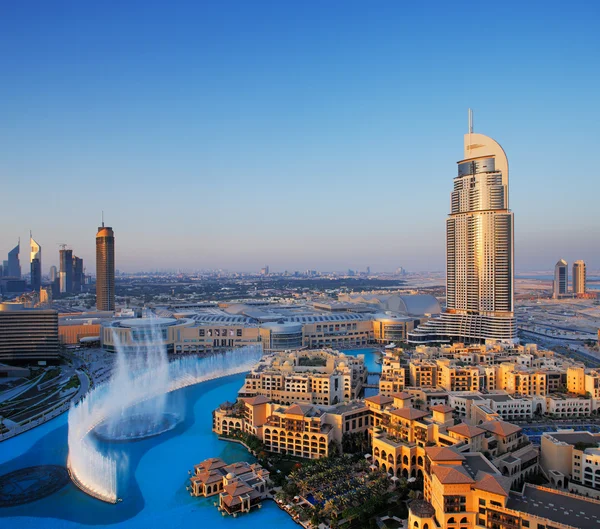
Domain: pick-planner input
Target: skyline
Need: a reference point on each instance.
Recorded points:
(234, 142)
(89, 261)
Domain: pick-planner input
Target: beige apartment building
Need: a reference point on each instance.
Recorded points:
(472, 493)
(453, 377)
(393, 375)
(583, 381)
(423, 373)
(301, 430)
(571, 460)
(323, 377)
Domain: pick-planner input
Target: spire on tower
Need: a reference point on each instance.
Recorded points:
(470, 121)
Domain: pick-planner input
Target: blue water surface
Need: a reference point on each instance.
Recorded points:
(370, 355)
(153, 485)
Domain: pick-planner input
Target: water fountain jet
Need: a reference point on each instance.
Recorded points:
(131, 405)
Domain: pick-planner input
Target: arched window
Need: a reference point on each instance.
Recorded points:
(464, 520)
(426, 526)
(405, 460)
(416, 524)
(451, 519)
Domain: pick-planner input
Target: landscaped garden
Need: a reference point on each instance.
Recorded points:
(342, 491)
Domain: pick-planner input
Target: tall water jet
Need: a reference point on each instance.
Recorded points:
(132, 404)
(130, 383)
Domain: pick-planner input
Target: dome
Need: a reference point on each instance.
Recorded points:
(421, 508)
(230, 476)
(287, 363)
(342, 365)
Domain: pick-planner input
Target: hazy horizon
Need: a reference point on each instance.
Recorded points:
(295, 135)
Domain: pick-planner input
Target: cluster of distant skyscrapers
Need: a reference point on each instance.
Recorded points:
(70, 277)
(561, 279)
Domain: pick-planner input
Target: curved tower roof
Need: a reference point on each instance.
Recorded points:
(479, 251)
(36, 249)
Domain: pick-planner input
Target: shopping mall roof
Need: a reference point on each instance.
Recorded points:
(410, 305)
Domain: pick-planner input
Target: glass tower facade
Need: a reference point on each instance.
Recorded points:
(579, 277)
(105, 269)
(36, 265)
(13, 264)
(479, 252)
(66, 270)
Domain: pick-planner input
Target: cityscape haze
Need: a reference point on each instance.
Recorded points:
(312, 309)
(237, 120)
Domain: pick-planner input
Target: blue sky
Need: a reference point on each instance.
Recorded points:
(299, 134)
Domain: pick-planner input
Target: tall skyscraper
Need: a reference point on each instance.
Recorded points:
(105, 268)
(77, 273)
(36, 264)
(66, 269)
(14, 265)
(561, 279)
(53, 274)
(479, 251)
(579, 278)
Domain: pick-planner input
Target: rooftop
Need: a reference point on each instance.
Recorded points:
(573, 438)
(452, 474)
(466, 430)
(442, 453)
(494, 484)
(380, 399)
(476, 463)
(500, 428)
(411, 414)
(561, 508)
(442, 408)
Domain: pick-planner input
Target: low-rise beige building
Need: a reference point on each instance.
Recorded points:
(323, 377)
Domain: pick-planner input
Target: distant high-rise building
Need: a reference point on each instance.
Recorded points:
(66, 270)
(368, 270)
(77, 274)
(264, 271)
(105, 268)
(36, 264)
(46, 296)
(579, 286)
(4, 268)
(479, 251)
(53, 273)
(561, 279)
(14, 265)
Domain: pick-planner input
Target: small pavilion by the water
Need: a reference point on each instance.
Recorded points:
(240, 486)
